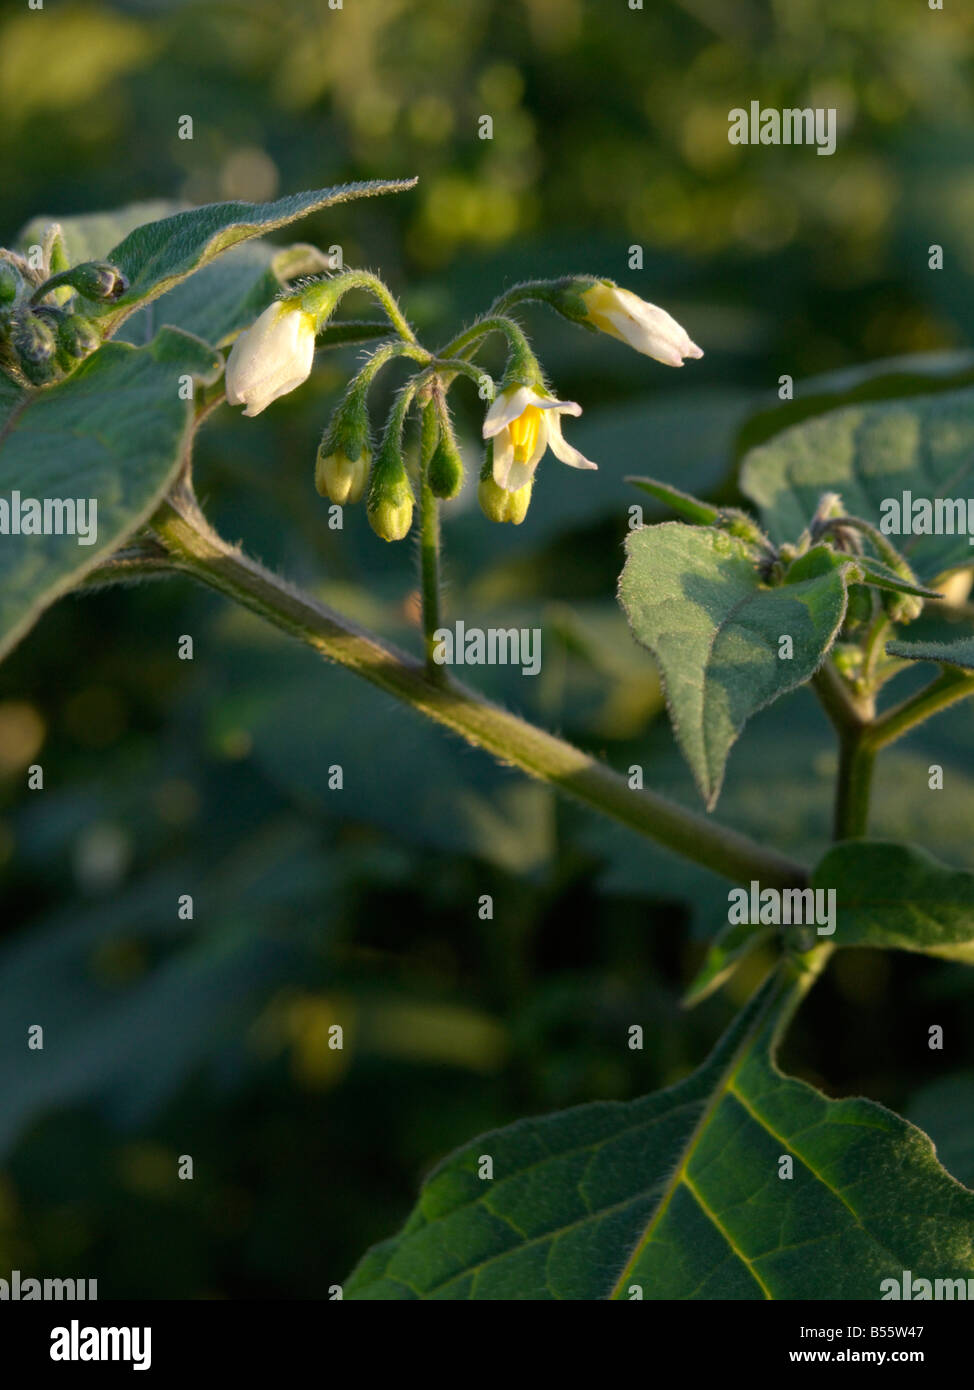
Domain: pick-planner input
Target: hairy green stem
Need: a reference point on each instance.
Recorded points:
(464, 343)
(872, 650)
(363, 380)
(429, 540)
(197, 550)
(853, 785)
(843, 708)
(332, 290)
(947, 689)
(851, 718)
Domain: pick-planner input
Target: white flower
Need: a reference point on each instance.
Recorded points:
(643, 326)
(522, 425)
(272, 357)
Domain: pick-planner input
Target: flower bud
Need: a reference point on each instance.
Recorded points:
(445, 472)
(77, 336)
(340, 478)
(34, 340)
(272, 357)
(391, 501)
(35, 345)
(645, 327)
(497, 504)
(848, 659)
(391, 519)
(11, 282)
(344, 456)
(738, 523)
(902, 608)
(97, 280)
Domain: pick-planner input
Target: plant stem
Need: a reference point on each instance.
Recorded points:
(327, 293)
(873, 649)
(197, 550)
(851, 718)
(844, 709)
(856, 759)
(463, 343)
(949, 687)
(429, 540)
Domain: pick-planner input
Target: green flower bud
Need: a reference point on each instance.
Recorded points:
(567, 296)
(445, 473)
(340, 478)
(497, 504)
(391, 519)
(848, 658)
(902, 608)
(34, 341)
(344, 456)
(11, 282)
(96, 280)
(391, 501)
(738, 523)
(77, 336)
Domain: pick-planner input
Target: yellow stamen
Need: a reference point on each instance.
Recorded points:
(524, 433)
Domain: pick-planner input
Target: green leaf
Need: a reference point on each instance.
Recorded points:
(944, 1109)
(959, 653)
(730, 946)
(226, 295)
(690, 508)
(223, 297)
(882, 576)
(895, 895)
(90, 236)
(694, 597)
(916, 374)
(158, 255)
(678, 1195)
(868, 453)
(115, 430)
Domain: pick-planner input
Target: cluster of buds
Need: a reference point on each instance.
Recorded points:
(523, 421)
(43, 334)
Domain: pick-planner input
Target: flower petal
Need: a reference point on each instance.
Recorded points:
(503, 459)
(519, 476)
(564, 451)
(271, 358)
(645, 327)
(506, 406)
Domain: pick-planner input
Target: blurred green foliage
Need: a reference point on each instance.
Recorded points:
(209, 1037)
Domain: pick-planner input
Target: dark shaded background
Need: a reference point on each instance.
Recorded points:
(210, 777)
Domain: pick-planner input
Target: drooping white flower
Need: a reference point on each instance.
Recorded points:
(523, 424)
(271, 358)
(645, 327)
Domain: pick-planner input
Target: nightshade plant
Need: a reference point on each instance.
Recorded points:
(681, 1194)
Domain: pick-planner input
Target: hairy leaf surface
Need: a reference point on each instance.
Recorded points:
(678, 1196)
(115, 430)
(694, 597)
